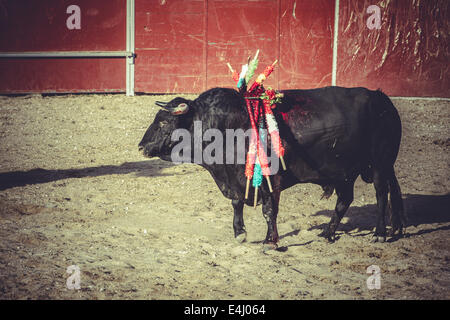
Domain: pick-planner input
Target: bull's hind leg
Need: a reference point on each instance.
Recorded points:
(238, 220)
(397, 214)
(380, 182)
(344, 194)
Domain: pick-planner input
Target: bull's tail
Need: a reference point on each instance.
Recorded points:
(384, 131)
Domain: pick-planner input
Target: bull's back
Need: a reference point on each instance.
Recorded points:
(327, 130)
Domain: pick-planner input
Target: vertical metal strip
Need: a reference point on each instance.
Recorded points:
(278, 31)
(205, 45)
(130, 47)
(335, 43)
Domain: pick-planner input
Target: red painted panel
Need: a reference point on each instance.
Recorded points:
(306, 38)
(41, 25)
(62, 75)
(170, 37)
(183, 46)
(408, 56)
(236, 29)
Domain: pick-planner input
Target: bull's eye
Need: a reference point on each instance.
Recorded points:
(162, 124)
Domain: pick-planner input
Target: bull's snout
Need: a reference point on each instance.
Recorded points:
(148, 149)
(142, 147)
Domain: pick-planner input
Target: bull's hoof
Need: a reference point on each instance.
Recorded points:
(398, 232)
(241, 237)
(269, 246)
(391, 233)
(329, 237)
(376, 238)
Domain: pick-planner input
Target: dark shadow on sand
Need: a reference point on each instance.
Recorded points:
(420, 209)
(149, 168)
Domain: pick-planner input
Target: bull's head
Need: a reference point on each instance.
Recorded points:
(157, 140)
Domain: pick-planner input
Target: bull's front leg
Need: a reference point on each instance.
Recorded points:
(238, 220)
(270, 212)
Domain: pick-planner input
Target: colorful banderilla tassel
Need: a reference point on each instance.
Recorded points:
(256, 157)
(257, 180)
(241, 82)
(235, 74)
(272, 127)
(257, 165)
(251, 160)
(253, 148)
(252, 66)
(262, 156)
(262, 165)
(263, 76)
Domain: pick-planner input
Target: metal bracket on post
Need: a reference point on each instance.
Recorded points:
(130, 74)
(130, 47)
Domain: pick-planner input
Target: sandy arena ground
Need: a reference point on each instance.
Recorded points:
(74, 190)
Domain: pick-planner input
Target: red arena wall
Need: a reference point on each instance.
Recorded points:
(182, 46)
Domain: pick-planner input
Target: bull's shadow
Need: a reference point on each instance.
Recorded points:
(149, 168)
(419, 208)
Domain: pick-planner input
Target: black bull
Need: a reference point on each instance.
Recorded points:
(331, 136)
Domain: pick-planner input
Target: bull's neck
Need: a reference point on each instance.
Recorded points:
(223, 117)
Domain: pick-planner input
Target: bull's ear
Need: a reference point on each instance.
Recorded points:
(182, 108)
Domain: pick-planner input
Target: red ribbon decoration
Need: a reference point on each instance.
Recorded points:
(255, 110)
(275, 134)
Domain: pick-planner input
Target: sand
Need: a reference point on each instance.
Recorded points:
(75, 191)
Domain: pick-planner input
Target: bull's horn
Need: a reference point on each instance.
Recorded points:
(161, 104)
(182, 108)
